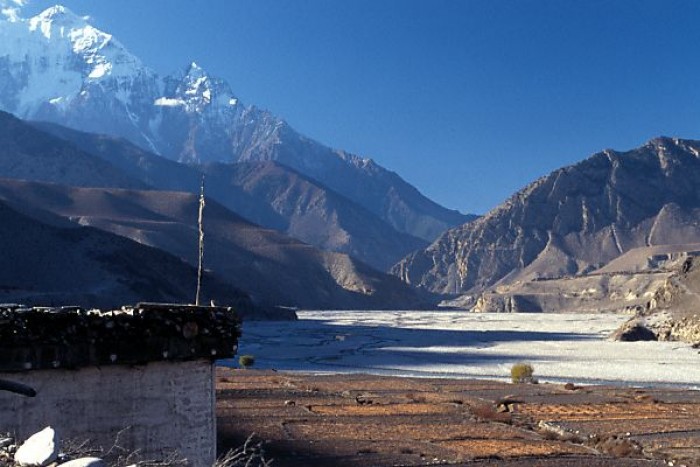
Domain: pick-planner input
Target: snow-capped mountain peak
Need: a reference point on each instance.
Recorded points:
(195, 70)
(57, 15)
(58, 67)
(57, 57)
(100, 51)
(196, 82)
(196, 91)
(59, 22)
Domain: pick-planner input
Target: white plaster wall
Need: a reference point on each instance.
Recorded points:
(164, 406)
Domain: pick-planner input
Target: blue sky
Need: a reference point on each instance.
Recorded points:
(468, 100)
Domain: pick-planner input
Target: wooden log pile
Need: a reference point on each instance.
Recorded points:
(73, 337)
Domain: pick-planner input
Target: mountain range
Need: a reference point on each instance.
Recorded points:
(266, 193)
(58, 68)
(255, 259)
(105, 145)
(81, 188)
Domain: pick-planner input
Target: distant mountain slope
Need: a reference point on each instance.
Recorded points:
(274, 269)
(57, 67)
(309, 211)
(28, 153)
(572, 221)
(52, 262)
(360, 179)
(266, 193)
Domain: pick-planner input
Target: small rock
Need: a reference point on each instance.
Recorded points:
(39, 449)
(508, 400)
(634, 331)
(85, 462)
(362, 400)
(502, 408)
(5, 442)
(290, 403)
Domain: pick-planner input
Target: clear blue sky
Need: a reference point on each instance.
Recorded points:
(468, 100)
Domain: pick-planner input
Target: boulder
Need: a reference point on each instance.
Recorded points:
(633, 331)
(40, 449)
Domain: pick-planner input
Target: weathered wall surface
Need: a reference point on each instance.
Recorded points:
(159, 408)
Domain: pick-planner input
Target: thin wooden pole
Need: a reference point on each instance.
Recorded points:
(200, 222)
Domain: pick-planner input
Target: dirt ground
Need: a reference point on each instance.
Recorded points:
(363, 420)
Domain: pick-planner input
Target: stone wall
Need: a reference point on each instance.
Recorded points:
(157, 408)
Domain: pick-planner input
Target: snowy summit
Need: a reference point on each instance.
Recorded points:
(44, 49)
(59, 68)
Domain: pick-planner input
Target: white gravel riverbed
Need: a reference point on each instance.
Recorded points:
(561, 347)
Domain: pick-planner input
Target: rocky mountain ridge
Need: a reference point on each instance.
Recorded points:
(571, 222)
(266, 193)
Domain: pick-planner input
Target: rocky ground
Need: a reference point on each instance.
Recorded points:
(673, 312)
(353, 420)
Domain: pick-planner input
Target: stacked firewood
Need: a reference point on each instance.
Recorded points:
(72, 337)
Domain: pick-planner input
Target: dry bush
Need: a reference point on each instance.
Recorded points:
(246, 361)
(117, 455)
(251, 454)
(522, 373)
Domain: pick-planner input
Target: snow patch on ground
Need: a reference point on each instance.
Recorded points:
(168, 102)
(561, 347)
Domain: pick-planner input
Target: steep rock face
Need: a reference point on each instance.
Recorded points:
(672, 313)
(57, 67)
(572, 221)
(266, 193)
(624, 285)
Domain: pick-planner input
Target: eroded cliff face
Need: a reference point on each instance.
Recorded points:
(625, 285)
(571, 222)
(673, 312)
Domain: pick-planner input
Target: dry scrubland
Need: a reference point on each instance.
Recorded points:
(360, 420)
